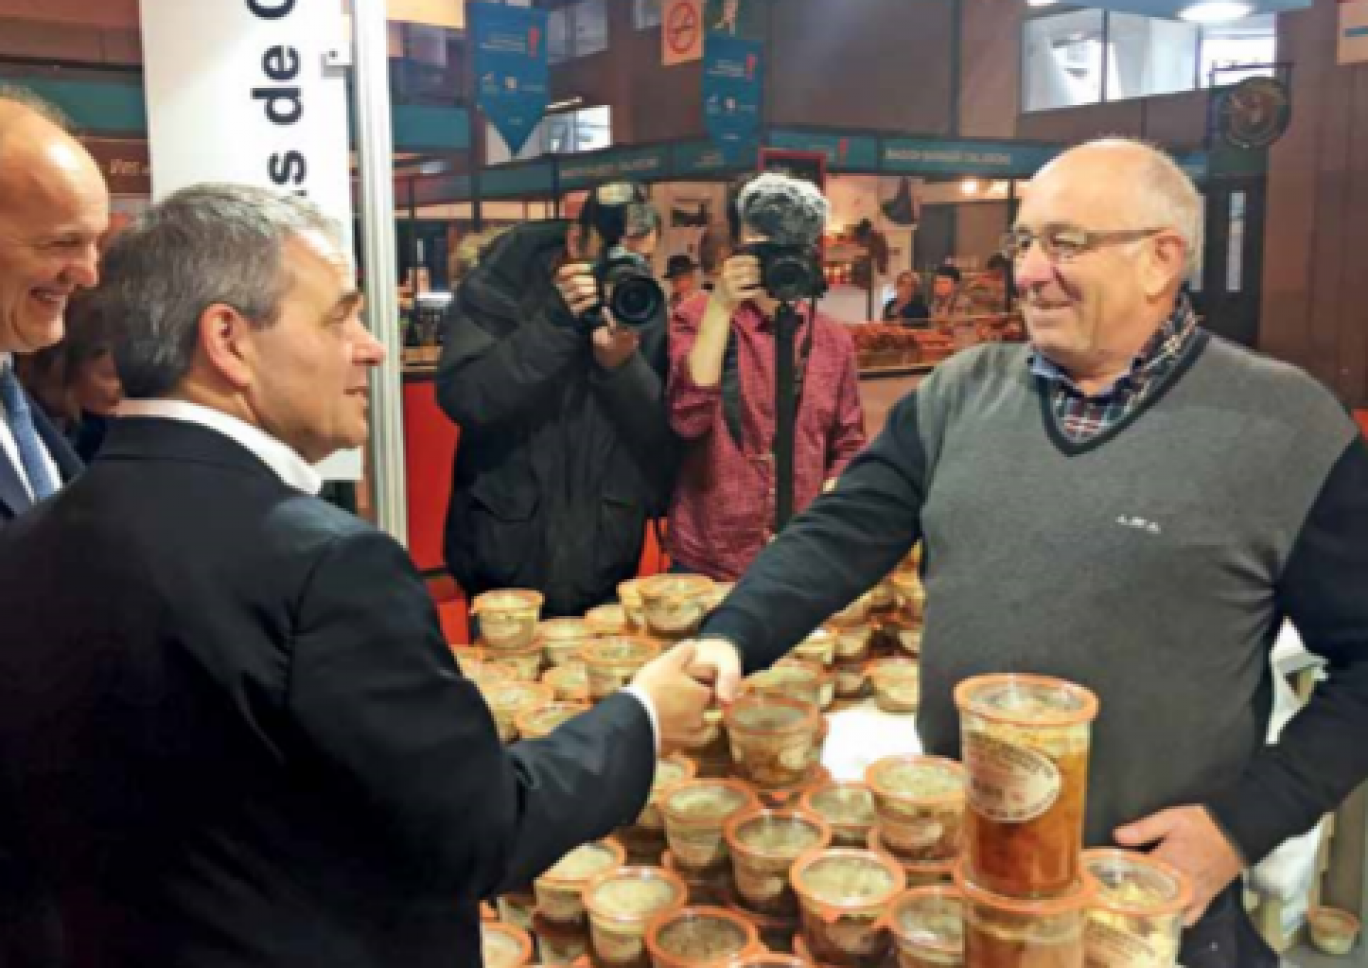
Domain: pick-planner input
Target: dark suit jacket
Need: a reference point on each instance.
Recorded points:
(14, 499)
(231, 732)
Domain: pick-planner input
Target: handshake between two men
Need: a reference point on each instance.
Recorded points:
(684, 682)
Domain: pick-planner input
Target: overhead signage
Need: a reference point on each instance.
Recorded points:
(701, 158)
(632, 164)
(510, 68)
(681, 32)
(843, 152)
(1352, 47)
(930, 156)
(733, 82)
(810, 166)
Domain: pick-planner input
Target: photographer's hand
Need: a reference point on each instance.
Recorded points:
(578, 287)
(614, 345)
(740, 281)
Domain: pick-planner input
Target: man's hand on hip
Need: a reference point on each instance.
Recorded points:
(717, 662)
(678, 699)
(1188, 839)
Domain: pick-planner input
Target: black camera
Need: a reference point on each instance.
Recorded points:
(789, 273)
(627, 287)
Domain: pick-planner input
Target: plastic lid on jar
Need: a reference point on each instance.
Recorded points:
(777, 834)
(842, 803)
(1075, 899)
(706, 802)
(507, 600)
(1136, 884)
(674, 586)
(631, 895)
(564, 630)
(768, 713)
(504, 946)
(672, 770)
(700, 936)
(585, 863)
(619, 649)
(841, 878)
(925, 779)
(931, 918)
(1027, 700)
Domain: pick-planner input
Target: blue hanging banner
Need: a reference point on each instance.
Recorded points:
(510, 68)
(733, 78)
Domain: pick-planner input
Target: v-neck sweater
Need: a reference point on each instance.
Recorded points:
(1153, 564)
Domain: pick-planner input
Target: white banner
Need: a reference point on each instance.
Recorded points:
(1353, 32)
(241, 91)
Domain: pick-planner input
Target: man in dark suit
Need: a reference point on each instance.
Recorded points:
(231, 732)
(53, 209)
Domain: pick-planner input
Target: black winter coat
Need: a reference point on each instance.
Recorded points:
(561, 464)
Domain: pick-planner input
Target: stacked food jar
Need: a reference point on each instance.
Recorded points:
(747, 845)
(919, 804)
(1026, 894)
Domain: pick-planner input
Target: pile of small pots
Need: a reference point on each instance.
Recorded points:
(749, 854)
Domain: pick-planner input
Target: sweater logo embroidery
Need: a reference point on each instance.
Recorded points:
(1139, 524)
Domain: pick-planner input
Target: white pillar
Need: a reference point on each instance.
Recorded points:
(375, 151)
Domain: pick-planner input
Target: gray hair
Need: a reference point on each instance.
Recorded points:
(204, 245)
(642, 219)
(786, 210)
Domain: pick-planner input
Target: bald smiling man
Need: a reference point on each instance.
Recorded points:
(53, 209)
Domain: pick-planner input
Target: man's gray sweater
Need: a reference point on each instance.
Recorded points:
(1152, 564)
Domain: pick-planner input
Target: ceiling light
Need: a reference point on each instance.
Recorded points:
(970, 186)
(1041, 3)
(1216, 11)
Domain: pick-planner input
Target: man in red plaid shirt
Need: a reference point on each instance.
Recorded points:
(721, 391)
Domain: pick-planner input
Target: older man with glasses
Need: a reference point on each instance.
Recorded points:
(1127, 502)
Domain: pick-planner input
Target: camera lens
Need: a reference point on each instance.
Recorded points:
(790, 278)
(636, 300)
(633, 295)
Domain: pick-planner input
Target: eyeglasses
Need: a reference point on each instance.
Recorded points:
(1062, 243)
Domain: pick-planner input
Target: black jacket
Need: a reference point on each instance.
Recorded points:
(232, 734)
(561, 463)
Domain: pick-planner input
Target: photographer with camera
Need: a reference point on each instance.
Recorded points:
(554, 368)
(723, 374)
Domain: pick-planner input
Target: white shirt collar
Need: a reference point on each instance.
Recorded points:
(292, 469)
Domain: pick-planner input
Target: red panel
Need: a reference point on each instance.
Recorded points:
(429, 446)
(453, 615)
(654, 561)
(1362, 417)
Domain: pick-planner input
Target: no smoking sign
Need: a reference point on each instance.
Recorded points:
(681, 33)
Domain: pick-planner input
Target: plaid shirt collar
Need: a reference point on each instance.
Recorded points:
(1155, 358)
